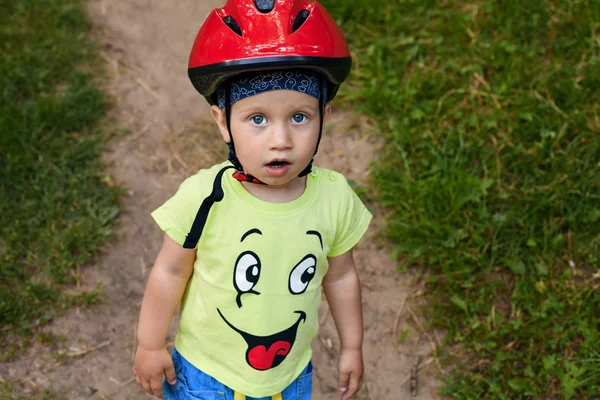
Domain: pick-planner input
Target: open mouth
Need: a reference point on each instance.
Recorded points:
(266, 352)
(278, 163)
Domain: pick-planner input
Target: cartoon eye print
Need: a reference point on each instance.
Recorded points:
(246, 274)
(302, 274)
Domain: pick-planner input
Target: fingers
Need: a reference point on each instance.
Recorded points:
(146, 386)
(170, 374)
(344, 382)
(353, 386)
(152, 386)
(156, 386)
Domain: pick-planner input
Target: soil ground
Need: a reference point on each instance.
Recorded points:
(145, 44)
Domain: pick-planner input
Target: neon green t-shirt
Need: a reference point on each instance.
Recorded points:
(250, 309)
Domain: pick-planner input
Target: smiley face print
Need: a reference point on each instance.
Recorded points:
(265, 352)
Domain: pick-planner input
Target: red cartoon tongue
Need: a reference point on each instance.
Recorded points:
(262, 359)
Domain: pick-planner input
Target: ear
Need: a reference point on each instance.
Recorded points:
(220, 118)
(327, 113)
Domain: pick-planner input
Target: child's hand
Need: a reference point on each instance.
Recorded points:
(350, 368)
(150, 365)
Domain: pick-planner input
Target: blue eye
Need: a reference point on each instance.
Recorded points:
(259, 120)
(299, 118)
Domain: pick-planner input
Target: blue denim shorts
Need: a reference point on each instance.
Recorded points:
(196, 385)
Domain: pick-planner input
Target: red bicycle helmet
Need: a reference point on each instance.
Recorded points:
(261, 35)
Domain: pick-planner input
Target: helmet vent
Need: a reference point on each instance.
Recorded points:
(233, 25)
(300, 19)
(264, 6)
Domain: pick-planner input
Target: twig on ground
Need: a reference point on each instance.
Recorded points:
(370, 391)
(114, 63)
(114, 380)
(592, 278)
(134, 347)
(143, 265)
(550, 101)
(414, 377)
(117, 78)
(327, 344)
(180, 160)
(128, 381)
(397, 320)
(431, 342)
(438, 339)
(106, 57)
(421, 366)
(481, 80)
(147, 88)
(140, 132)
(120, 60)
(80, 352)
(366, 285)
(131, 66)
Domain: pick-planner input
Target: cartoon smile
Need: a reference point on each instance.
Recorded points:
(266, 352)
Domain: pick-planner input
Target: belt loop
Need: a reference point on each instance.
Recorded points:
(238, 396)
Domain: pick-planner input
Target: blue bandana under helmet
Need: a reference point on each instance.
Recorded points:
(249, 85)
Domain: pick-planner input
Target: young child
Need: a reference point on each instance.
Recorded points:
(249, 243)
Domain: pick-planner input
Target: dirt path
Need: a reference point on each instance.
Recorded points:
(146, 45)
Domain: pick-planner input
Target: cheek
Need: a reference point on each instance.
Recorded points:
(309, 138)
(247, 146)
(246, 154)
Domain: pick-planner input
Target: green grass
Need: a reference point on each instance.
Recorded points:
(490, 113)
(55, 204)
(13, 391)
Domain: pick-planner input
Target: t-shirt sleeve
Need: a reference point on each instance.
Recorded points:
(176, 216)
(353, 221)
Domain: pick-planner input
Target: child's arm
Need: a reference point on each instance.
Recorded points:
(167, 282)
(342, 288)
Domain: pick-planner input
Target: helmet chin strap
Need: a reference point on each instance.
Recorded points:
(239, 169)
(239, 173)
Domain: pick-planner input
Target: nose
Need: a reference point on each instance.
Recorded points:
(281, 137)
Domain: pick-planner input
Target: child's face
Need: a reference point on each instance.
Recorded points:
(275, 133)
